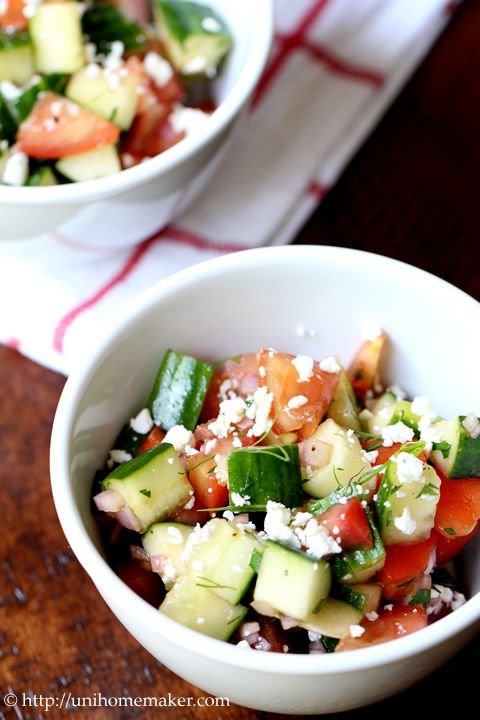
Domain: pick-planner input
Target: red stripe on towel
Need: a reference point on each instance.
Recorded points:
(199, 242)
(342, 67)
(127, 268)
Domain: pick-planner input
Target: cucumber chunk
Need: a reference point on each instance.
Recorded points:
(56, 33)
(407, 500)
(402, 412)
(153, 485)
(196, 38)
(261, 474)
(372, 592)
(458, 454)
(42, 177)
(90, 165)
(292, 583)
(129, 440)
(346, 460)
(344, 408)
(179, 391)
(200, 609)
(333, 619)
(382, 411)
(358, 566)
(16, 57)
(221, 560)
(105, 24)
(116, 102)
(167, 540)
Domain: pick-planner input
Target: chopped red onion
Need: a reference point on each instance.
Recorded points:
(109, 501)
(128, 519)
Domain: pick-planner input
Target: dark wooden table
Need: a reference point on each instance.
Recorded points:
(412, 193)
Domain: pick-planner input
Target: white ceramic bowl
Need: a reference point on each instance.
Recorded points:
(238, 303)
(141, 200)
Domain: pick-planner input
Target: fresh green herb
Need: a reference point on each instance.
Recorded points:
(147, 493)
(444, 447)
(212, 584)
(406, 583)
(449, 531)
(367, 435)
(105, 24)
(421, 597)
(388, 518)
(428, 489)
(236, 508)
(212, 469)
(200, 462)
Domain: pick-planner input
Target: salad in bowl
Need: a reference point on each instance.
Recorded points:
(86, 91)
(288, 504)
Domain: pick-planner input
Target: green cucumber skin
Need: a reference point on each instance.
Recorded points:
(403, 413)
(129, 440)
(352, 597)
(467, 460)
(8, 125)
(348, 564)
(262, 477)
(179, 391)
(123, 472)
(185, 18)
(317, 507)
(42, 177)
(105, 24)
(12, 41)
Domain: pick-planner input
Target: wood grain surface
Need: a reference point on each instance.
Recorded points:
(411, 193)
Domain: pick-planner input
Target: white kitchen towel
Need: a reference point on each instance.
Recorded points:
(335, 67)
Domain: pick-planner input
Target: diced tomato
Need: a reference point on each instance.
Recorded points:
(151, 134)
(401, 620)
(145, 583)
(57, 127)
(191, 516)
(13, 16)
(363, 371)
(458, 509)
(239, 375)
(348, 524)
(281, 377)
(403, 565)
(449, 547)
(154, 438)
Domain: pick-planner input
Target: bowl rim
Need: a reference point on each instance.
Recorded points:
(104, 577)
(261, 37)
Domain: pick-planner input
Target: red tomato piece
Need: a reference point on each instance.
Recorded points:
(351, 524)
(154, 438)
(401, 620)
(192, 516)
(403, 565)
(449, 547)
(280, 376)
(145, 583)
(151, 134)
(13, 16)
(57, 127)
(363, 371)
(239, 375)
(458, 509)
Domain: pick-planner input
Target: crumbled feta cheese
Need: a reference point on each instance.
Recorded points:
(314, 636)
(128, 160)
(316, 540)
(187, 120)
(189, 451)
(301, 518)
(225, 391)
(231, 412)
(261, 371)
(262, 404)
(195, 66)
(209, 446)
(221, 469)
(389, 607)
(179, 437)
(350, 436)
(211, 25)
(409, 468)
(30, 8)
(356, 631)
(119, 457)
(15, 171)
(240, 500)
(92, 70)
(277, 524)
(244, 644)
(398, 433)
(9, 90)
(366, 414)
(405, 523)
(442, 597)
(370, 456)
(421, 406)
(236, 442)
(190, 503)
(142, 423)
(228, 515)
(372, 615)
(297, 401)
(175, 537)
(304, 366)
(330, 365)
(158, 68)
